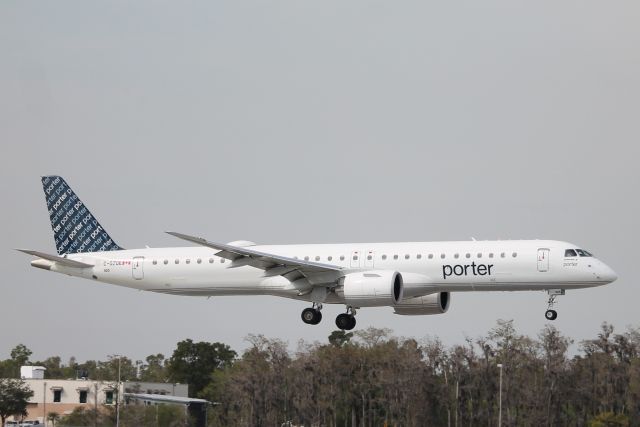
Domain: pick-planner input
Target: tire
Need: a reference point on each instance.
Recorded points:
(308, 316)
(343, 321)
(317, 318)
(551, 315)
(352, 323)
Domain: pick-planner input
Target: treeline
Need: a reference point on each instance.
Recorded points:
(370, 378)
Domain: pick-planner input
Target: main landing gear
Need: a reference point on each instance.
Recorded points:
(346, 321)
(551, 314)
(312, 315)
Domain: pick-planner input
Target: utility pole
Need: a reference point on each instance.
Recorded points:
(44, 403)
(118, 393)
(500, 398)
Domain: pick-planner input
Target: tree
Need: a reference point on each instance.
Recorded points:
(340, 337)
(194, 363)
(14, 396)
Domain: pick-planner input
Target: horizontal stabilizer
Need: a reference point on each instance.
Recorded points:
(58, 259)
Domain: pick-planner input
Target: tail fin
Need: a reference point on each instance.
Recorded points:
(75, 229)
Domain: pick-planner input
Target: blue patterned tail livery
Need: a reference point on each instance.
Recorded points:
(74, 228)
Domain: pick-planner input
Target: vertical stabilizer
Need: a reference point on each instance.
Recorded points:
(75, 229)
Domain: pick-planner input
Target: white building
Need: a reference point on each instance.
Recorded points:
(63, 396)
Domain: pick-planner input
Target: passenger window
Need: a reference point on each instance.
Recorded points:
(210, 260)
(166, 261)
(355, 257)
(369, 257)
(442, 256)
(570, 253)
(479, 255)
(502, 255)
(456, 256)
(199, 260)
(515, 254)
(419, 256)
(306, 258)
(177, 261)
(468, 255)
(395, 257)
(317, 258)
(222, 260)
(329, 258)
(188, 261)
(490, 254)
(430, 256)
(341, 257)
(384, 257)
(155, 262)
(406, 256)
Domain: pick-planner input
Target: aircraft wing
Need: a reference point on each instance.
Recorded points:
(273, 265)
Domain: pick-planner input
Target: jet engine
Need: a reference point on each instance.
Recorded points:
(371, 288)
(428, 304)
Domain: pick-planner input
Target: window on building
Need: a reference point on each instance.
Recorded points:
(83, 396)
(57, 395)
(108, 397)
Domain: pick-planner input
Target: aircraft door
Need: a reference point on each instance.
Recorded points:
(355, 259)
(137, 267)
(543, 260)
(369, 259)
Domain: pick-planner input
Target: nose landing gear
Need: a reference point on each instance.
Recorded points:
(312, 315)
(551, 314)
(346, 321)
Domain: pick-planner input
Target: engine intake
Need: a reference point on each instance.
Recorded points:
(428, 304)
(371, 288)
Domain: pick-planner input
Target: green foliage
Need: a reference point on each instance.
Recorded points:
(194, 363)
(339, 338)
(14, 395)
(152, 415)
(609, 419)
(84, 416)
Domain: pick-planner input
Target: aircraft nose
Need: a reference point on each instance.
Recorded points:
(608, 274)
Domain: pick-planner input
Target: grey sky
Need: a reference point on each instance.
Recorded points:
(303, 122)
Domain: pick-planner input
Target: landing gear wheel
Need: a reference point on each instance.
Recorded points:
(352, 323)
(311, 316)
(551, 315)
(345, 321)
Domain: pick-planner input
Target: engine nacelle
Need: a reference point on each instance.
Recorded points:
(428, 304)
(371, 288)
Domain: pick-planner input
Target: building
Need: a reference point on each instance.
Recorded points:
(63, 396)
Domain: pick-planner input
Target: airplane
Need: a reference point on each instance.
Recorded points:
(414, 278)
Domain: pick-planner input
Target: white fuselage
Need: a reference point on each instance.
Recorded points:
(428, 267)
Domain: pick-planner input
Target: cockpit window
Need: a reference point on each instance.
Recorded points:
(570, 253)
(582, 252)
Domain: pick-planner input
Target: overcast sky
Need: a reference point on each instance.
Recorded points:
(314, 122)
